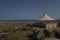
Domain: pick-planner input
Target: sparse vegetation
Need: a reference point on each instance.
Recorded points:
(58, 24)
(26, 32)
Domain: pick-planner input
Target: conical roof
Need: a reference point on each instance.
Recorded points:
(46, 17)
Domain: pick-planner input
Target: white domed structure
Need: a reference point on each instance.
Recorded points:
(46, 17)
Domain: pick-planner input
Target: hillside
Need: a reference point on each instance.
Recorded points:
(27, 31)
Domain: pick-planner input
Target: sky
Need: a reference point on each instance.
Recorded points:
(28, 9)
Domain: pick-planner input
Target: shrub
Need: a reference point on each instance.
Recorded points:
(40, 24)
(47, 33)
(57, 34)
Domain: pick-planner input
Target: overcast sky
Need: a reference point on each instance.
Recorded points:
(28, 9)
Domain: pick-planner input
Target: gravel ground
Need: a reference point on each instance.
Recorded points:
(50, 39)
